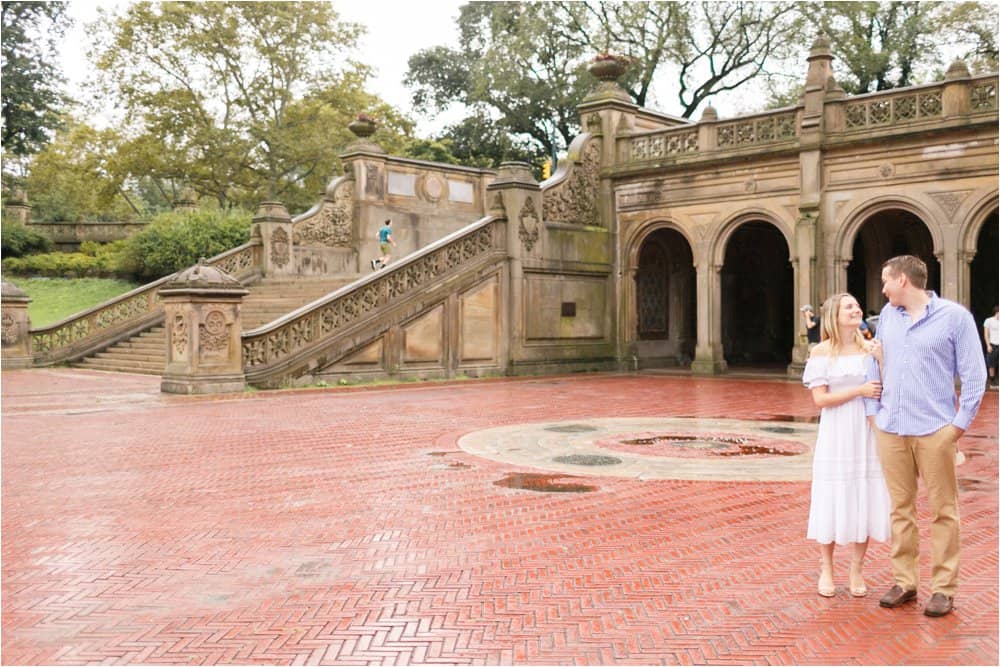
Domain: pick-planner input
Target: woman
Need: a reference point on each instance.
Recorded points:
(850, 502)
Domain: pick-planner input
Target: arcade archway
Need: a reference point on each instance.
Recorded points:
(884, 235)
(758, 325)
(983, 277)
(666, 308)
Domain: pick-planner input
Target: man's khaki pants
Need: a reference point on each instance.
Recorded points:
(931, 457)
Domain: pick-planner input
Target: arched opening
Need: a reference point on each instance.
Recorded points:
(884, 235)
(666, 309)
(758, 327)
(983, 278)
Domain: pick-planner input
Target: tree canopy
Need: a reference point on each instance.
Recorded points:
(32, 97)
(242, 101)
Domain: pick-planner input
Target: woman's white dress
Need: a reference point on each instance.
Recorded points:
(850, 502)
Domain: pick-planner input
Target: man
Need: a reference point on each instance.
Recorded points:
(991, 334)
(811, 322)
(926, 342)
(384, 241)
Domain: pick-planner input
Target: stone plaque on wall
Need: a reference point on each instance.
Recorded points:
(480, 328)
(461, 191)
(402, 184)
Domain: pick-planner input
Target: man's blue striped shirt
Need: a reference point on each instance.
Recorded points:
(921, 362)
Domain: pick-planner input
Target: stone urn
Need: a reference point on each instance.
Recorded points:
(362, 126)
(608, 67)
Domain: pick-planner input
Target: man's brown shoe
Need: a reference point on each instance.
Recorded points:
(896, 596)
(939, 605)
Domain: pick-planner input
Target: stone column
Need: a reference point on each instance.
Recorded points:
(204, 349)
(709, 358)
(806, 289)
(521, 199)
(274, 227)
(15, 335)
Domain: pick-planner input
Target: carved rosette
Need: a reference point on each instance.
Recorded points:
(574, 200)
(280, 247)
(332, 225)
(213, 334)
(528, 224)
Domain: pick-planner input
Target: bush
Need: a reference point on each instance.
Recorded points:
(95, 260)
(174, 241)
(17, 240)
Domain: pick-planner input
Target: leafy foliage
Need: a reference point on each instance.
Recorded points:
(18, 240)
(174, 241)
(32, 101)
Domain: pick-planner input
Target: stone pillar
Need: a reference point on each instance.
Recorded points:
(806, 288)
(204, 349)
(521, 199)
(15, 336)
(273, 225)
(187, 202)
(709, 358)
(17, 207)
(955, 98)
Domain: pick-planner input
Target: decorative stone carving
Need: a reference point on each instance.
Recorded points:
(281, 251)
(575, 199)
(179, 335)
(950, 201)
(528, 226)
(332, 226)
(214, 334)
(886, 170)
(9, 331)
(432, 187)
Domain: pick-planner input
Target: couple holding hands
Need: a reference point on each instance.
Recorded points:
(889, 415)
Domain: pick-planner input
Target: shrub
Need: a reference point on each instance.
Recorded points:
(17, 240)
(174, 241)
(54, 265)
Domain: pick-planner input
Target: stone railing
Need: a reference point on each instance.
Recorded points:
(88, 331)
(890, 108)
(288, 340)
(766, 129)
(662, 144)
(69, 235)
(983, 94)
(758, 130)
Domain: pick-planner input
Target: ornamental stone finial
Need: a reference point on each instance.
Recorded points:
(607, 68)
(709, 114)
(957, 70)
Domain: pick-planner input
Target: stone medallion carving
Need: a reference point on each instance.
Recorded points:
(574, 201)
(214, 333)
(528, 226)
(433, 188)
(9, 331)
(950, 202)
(886, 170)
(281, 250)
(332, 225)
(179, 335)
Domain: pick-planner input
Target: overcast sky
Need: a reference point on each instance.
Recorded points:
(396, 30)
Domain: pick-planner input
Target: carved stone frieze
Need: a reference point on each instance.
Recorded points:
(332, 225)
(9, 331)
(574, 200)
(179, 334)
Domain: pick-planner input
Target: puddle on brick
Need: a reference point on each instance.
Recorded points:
(543, 483)
(588, 460)
(454, 451)
(800, 419)
(571, 428)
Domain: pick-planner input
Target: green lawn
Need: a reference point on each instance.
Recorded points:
(53, 299)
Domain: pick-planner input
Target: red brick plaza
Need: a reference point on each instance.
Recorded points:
(349, 526)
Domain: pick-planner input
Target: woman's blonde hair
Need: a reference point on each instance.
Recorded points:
(829, 330)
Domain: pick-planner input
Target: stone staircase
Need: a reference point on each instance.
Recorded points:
(267, 301)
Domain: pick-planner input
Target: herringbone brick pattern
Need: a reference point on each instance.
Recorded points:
(346, 527)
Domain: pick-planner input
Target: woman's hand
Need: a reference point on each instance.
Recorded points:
(871, 389)
(875, 349)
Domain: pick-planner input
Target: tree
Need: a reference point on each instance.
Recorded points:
(883, 45)
(523, 65)
(241, 101)
(32, 100)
